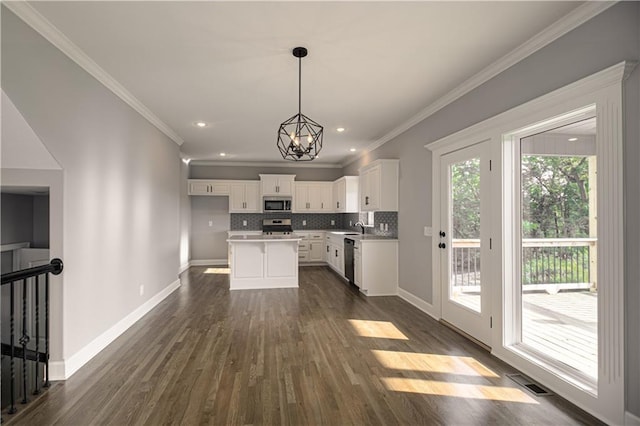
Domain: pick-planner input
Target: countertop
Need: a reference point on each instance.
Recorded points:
(262, 238)
(256, 236)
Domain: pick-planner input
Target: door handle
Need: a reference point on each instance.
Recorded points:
(327, 249)
(442, 245)
(338, 205)
(366, 201)
(442, 234)
(336, 253)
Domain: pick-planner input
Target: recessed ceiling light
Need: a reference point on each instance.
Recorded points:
(352, 150)
(340, 129)
(200, 124)
(573, 139)
(223, 154)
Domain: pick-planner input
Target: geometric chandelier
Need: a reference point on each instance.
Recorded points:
(300, 138)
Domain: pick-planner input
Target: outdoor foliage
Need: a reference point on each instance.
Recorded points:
(555, 204)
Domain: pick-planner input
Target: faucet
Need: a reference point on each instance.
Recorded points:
(361, 225)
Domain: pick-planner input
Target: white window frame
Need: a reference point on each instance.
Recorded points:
(604, 90)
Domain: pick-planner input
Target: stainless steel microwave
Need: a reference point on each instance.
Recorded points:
(276, 204)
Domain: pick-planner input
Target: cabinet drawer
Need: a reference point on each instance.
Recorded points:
(303, 256)
(303, 246)
(317, 236)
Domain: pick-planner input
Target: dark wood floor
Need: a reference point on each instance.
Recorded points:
(320, 354)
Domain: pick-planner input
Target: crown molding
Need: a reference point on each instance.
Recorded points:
(570, 21)
(46, 29)
(304, 164)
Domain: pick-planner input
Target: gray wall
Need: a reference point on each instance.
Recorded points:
(251, 173)
(607, 39)
(40, 221)
(209, 242)
(121, 185)
(17, 218)
(185, 217)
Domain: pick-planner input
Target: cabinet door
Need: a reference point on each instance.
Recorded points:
(236, 197)
(340, 260)
(357, 267)
(364, 191)
(326, 197)
(373, 182)
(316, 254)
(285, 186)
(314, 198)
(301, 197)
(339, 195)
(251, 197)
(269, 185)
(199, 188)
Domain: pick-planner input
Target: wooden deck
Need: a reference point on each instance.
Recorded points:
(564, 326)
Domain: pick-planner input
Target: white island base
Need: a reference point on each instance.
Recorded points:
(261, 262)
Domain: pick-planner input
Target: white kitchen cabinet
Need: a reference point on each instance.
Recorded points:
(316, 252)
(378, 186)
(208, 187)
(357, 264)
(311, 247)
(376, 267)
(313, 197)
(244, 197)
(345, 195)
(334, 246)
(277, 185)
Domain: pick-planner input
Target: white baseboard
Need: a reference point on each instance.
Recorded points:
(64, 370)
(209, 262)
(631, 419)
(425, 307)
(184, 267)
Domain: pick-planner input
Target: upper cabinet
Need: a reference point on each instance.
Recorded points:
(379, 186)
(244, 197)
(208, 187)
(277, 185)
(345, 195)
(313, 197)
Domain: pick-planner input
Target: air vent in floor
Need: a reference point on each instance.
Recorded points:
(529, 384)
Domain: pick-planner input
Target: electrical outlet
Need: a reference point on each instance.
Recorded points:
(428, 231)
(386, 227)
(382, 226)
(350, 223)
(304, 223)
(210, 223)
(141, 289)
(244, 223)
(333, 222)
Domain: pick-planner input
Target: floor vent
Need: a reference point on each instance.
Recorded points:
(529, 384)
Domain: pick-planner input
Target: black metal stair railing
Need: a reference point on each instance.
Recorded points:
(22, 352)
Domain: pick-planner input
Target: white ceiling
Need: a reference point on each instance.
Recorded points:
(371, 66)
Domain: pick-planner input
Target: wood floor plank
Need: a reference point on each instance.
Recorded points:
(322, 354)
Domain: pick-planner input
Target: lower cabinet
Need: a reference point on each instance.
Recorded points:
(334, 246)
(311, 247)
(376, 267)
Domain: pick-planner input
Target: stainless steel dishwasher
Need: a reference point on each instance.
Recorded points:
(348, 259)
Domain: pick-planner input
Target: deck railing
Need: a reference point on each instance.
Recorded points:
(26, 304)
(550, 264)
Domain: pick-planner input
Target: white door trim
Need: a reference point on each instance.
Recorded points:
(604, 89)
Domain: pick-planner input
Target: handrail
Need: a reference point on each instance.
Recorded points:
(55, 267)
(531, 242)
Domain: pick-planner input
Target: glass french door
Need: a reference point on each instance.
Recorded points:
(464, 240)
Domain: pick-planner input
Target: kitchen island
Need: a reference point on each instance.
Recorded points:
(263, 261)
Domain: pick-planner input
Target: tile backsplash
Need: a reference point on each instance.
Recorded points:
(320, 221)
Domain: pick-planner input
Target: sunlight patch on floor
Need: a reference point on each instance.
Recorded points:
(379, 329)
(224, 271)
(464, 365)
(459, 390)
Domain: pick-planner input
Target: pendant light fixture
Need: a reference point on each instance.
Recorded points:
(300, 138)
